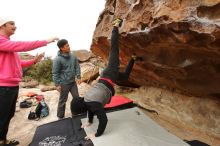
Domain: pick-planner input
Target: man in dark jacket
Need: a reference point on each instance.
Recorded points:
(101, 93)
(66, 72)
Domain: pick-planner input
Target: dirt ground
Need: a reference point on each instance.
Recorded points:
(23, 129)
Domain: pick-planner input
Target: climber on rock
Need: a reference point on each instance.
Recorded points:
(100, 93)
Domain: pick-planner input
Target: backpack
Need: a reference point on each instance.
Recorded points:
(41, 110)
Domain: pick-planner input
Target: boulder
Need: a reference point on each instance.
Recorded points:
(29, 84)
(179, 41)
(83, 55)
(89, 71)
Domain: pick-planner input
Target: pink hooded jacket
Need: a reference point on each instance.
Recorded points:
(10, 63)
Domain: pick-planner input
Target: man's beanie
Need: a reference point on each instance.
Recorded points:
(78, 106)
(4, 20)
(61, 43)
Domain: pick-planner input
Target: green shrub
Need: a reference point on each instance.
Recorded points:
(42, 72)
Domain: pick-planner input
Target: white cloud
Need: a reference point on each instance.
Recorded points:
(73, 20)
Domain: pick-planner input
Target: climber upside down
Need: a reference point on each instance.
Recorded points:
(101, 93)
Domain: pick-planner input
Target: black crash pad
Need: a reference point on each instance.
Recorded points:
(66, 132)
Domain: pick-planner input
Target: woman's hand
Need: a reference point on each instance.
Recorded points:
(38, 58)
(53, 39)
(90, 136)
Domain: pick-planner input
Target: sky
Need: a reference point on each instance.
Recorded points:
(73, 20)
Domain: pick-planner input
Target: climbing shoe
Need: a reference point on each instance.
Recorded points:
(25, 104)
(117, 22)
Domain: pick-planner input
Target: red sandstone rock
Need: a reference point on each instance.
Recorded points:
(180, 41)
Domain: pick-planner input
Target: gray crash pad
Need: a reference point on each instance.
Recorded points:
(131, 127)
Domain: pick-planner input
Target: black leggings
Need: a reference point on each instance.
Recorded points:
(123, 76)
(8, 98)
(112, 70)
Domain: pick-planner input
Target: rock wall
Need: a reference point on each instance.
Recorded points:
(179, 40)
(192, 112)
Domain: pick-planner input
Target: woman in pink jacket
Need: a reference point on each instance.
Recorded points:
(11, 73)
